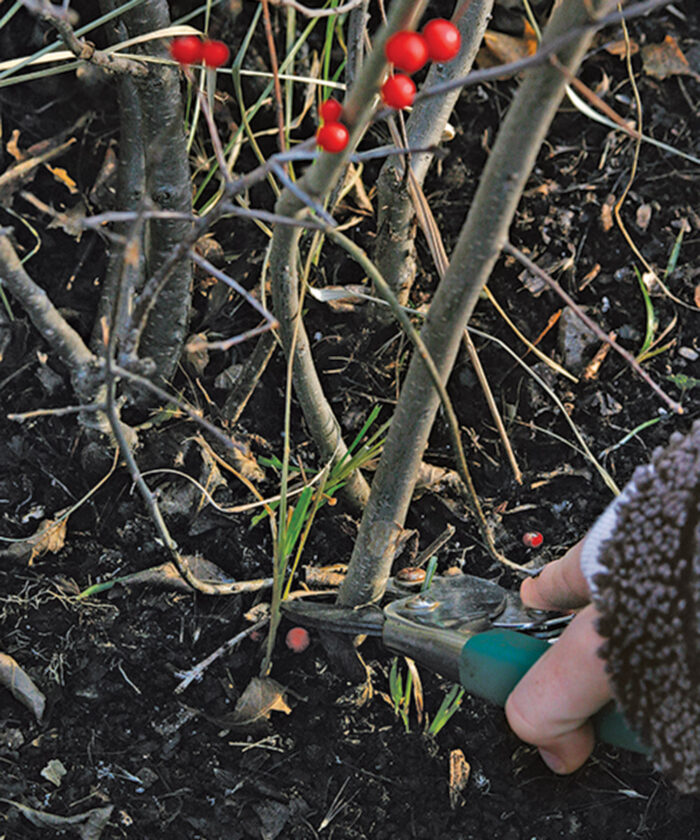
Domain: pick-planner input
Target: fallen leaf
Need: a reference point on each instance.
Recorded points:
(13, 146)
(325, 576)
(71, 221)
(459, 776)
(54, 772)
(696, 296)
(261, 697)
(23, 688)
(49, 536)
(196, 354)
(88, 826)
(500, 48)
(61, 175)
(619, 48)
(342, 298)
(666, 59)
(643, 216)
(606, 213)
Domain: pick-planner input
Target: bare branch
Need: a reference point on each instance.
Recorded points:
(81, 48)
(319, 13)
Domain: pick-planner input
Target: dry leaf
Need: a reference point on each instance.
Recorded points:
(593, 366)
(696, 296)
(13, 146)
(62, 176)
(643, 216)
(71, 220)
(23, 688)
(606, 213)
(619, 48)
(261, 697)
(325, 576)
(666, 59)
(196, 354)
(50, 536)
(459, 776)
(54, 772)
(417, 689)
(500, 48)
(88, 826)
(342, 298)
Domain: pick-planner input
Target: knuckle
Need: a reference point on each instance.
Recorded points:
(526, 719)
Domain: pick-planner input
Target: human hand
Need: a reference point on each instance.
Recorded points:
(551, 705)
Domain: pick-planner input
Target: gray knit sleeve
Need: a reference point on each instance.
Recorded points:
(642, 559)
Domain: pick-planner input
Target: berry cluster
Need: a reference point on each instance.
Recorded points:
(409, 51)
(190, 50)
(332, 136)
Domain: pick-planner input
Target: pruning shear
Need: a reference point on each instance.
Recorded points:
(470, 630)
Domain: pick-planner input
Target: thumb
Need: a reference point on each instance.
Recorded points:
(552, 703)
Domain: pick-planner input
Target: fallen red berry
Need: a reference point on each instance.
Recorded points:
(332, 137)
(298, 639)
(442, 38)
(533, 539)
(330, 110)
(215, 53)
(398, 91)
(406, 50)
(186, 50)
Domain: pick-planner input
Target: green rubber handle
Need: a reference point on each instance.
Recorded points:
(493, 662)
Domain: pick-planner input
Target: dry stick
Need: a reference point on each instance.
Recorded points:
(628, 357)
(319, 13)
(86, 50)
(197, 671)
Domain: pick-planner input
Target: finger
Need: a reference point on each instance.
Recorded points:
(552, 703)
(559, 586)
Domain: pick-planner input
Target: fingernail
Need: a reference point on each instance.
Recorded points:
(555, 764)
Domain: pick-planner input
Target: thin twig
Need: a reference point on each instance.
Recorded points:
(628, 357)
(55, 412)
(82, 49)
(197, 671)
(319, 13)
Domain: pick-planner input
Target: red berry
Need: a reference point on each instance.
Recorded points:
(407, 51)
(398, 91)
(332, 137)
(298, 639)
(186, 50)
(330, 110)
(442, 38)
(214, 53)
(533, 539)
